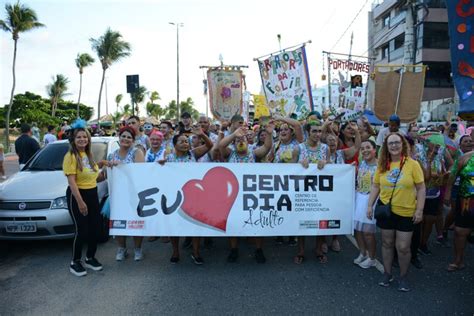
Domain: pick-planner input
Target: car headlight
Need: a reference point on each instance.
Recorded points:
(60, 202)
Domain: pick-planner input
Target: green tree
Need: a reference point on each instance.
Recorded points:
(118, 99)
(184, 106)
(110, 48)
(127, 110)
(56, 91)
(138, 97)
(82, 61)
(29, 107)
(19, 19)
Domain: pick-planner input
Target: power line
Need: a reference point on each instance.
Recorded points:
(350, 24)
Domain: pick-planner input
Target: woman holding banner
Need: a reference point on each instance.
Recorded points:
(184, 154)
(127, 153)
(311, 151)
(290, 136)
(400, 183)
(241, 153)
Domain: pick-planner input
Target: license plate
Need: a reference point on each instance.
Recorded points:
(21, 228)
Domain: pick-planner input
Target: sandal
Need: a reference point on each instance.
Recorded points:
(299, 259)
(324, 247)
(322, 258)
(335, 246)
(455, 267)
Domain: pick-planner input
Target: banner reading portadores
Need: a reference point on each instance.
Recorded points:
(207, 199)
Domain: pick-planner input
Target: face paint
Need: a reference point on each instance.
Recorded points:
(242, 147)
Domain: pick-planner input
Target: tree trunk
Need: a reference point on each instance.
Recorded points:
(100, 95)
(7, 119)
(54, 104)
(80, 91)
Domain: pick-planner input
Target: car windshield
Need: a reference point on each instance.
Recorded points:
(51, 157)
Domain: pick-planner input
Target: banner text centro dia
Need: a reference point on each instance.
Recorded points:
(217, 199)
(286, 83)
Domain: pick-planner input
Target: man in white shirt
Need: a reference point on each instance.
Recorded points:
(49, 137)
(393, 127)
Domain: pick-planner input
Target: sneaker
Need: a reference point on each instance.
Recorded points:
(403, 285)
(259, 256)
(359, 259)
(121, 254)
(3, 177)
(387, 279)
(368, 263)
(424, 250)
(138, 254)
(416, 263)
(233, 255)
(93, 264)
(279, 240)
(197, 260)
(292, 241)
(187, 243)
(77, 269)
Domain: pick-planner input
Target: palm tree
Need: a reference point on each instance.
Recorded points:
(19, 19)
(109, 48)
(118, 99)
(82, 61)
(153, 109)
(138, 97)
(56, 91)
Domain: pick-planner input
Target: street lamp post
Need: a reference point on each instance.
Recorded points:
(178, 25)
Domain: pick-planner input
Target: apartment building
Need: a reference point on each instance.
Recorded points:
(430, 46)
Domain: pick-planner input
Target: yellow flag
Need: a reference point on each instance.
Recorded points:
(261, 108)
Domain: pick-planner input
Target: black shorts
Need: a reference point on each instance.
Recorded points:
(433, 206)
(396, 222)
(464, 219)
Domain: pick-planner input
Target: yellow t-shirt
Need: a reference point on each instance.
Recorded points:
(85, 179)
(404, 195)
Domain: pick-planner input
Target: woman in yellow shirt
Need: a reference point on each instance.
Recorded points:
(83, 202)
(399, 174)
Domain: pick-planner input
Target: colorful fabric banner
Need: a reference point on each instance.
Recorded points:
(210, 199)
(460, 20)
(225, 92)
(348, 83)
(286, 83)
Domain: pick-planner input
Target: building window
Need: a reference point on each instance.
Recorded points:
(399, 41)
(435, 3)
(438, 75)
(384, 51)
(386, 20)
(435, 35)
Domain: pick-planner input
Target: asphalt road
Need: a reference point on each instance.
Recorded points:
(34, 279)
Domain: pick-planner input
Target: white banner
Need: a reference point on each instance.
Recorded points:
(227, 199)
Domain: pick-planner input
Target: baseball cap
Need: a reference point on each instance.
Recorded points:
(394, 118)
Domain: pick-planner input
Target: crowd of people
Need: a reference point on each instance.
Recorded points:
(414, 172)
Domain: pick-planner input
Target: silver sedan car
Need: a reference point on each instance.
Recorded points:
(33, 202)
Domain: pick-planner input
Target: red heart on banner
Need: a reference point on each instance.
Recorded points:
(209, 200)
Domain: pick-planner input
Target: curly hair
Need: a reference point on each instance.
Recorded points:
(384, 155)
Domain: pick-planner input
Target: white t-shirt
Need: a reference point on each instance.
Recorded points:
(383, 133)
(49, 138)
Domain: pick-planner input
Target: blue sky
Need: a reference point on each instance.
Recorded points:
(239, 30)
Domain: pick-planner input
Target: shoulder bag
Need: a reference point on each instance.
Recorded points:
(384, 211)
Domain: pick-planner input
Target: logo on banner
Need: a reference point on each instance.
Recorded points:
(118, 224)
(329, 224)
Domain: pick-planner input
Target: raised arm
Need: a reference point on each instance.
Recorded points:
(262, 151)
(296, 127)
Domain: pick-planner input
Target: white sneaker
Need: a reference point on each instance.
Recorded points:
(121, 254)
(138, 254)
(367, 263)
(360, 258)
